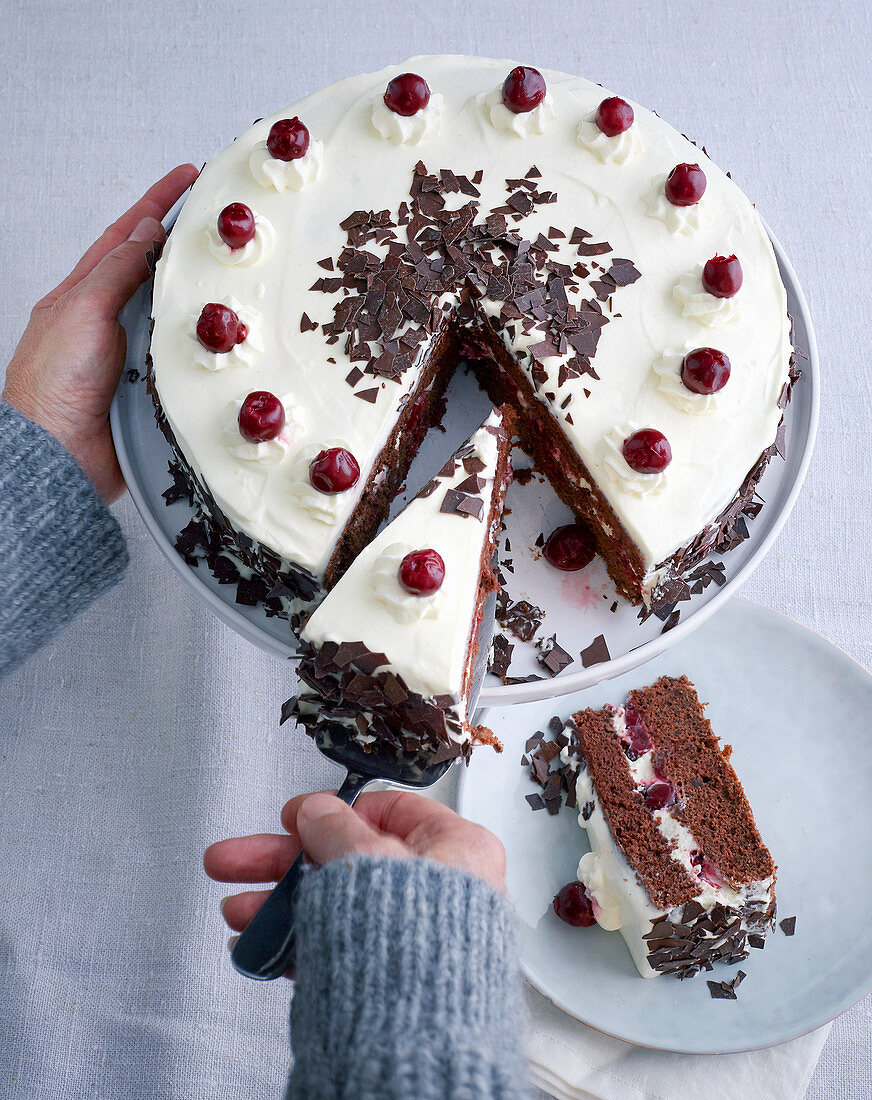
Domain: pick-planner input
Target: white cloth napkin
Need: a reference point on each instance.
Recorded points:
(570, 1061)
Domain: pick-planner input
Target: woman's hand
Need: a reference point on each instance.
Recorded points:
(66, 366)
(387, 823)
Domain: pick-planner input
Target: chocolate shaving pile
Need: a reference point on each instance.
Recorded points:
(349, 684)
(388, 308)
(702, 937)
(726, 991)
(522, 618)
(557, 781)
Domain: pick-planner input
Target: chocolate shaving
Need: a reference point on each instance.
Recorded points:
(788, 925)
(552, 656)
(522, 618)
(500, 656)
(461, 504)
(596, 653)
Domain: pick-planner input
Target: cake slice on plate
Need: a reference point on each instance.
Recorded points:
(676, 862)
(389, 652)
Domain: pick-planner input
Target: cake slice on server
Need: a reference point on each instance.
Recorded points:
(676, 862)
(389, 652)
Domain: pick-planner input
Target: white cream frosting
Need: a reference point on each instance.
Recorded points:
(270, 451)
(712, 453)
(677, 219)
(431, 658)
(387, 589)
(697, 304)
(610, 150)
(522, 124)
(260, 245)
(408, 129)
(242, 354)
(667, 370)
(615, 470)
(325, 508)
(286, 175)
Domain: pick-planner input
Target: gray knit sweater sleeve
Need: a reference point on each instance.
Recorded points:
(60, 548)
(407, 986)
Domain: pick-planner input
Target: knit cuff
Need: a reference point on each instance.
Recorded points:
(407, 985)
(59, 545)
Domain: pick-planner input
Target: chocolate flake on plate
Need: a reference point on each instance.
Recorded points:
(596, 653)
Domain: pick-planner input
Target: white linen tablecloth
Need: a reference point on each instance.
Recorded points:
(149, 729)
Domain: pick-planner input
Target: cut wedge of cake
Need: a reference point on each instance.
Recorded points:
(676, 862)
(389, 652)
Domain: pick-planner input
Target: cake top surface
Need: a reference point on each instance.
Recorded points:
(451, 516)
(593, 208)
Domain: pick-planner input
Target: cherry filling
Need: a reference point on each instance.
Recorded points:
(219, 328)
(574, 905)
(635, 738)
(685, 185)
(569, 548)
(523, 90)
(614, 116)
(659, 794)
(334, 470)
(236, 225)
(261, 417)
(288, 139)
(722, 276)
(706, 870)
(407, 94)
(422, 572)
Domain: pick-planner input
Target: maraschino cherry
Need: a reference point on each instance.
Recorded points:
(523, 89)
(219, 328)
(647, 451)
(569, 548)
(573, 904)
(236, 225)
(407, 94)
(288, 139)
(334, 470)
(705, 370)
(614, 116)
(422, 572)
(261, 417)
(685, 185)
(722, 276)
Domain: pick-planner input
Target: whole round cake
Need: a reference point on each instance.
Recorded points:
(603, 276)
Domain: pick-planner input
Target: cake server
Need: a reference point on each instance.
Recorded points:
(265, 950)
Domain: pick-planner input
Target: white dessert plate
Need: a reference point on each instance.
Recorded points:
(577, 606)
(795, 710)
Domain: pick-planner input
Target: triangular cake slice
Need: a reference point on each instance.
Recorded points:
(676, 862)
(390, 650)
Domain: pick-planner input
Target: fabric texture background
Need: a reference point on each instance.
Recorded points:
(147, 729)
